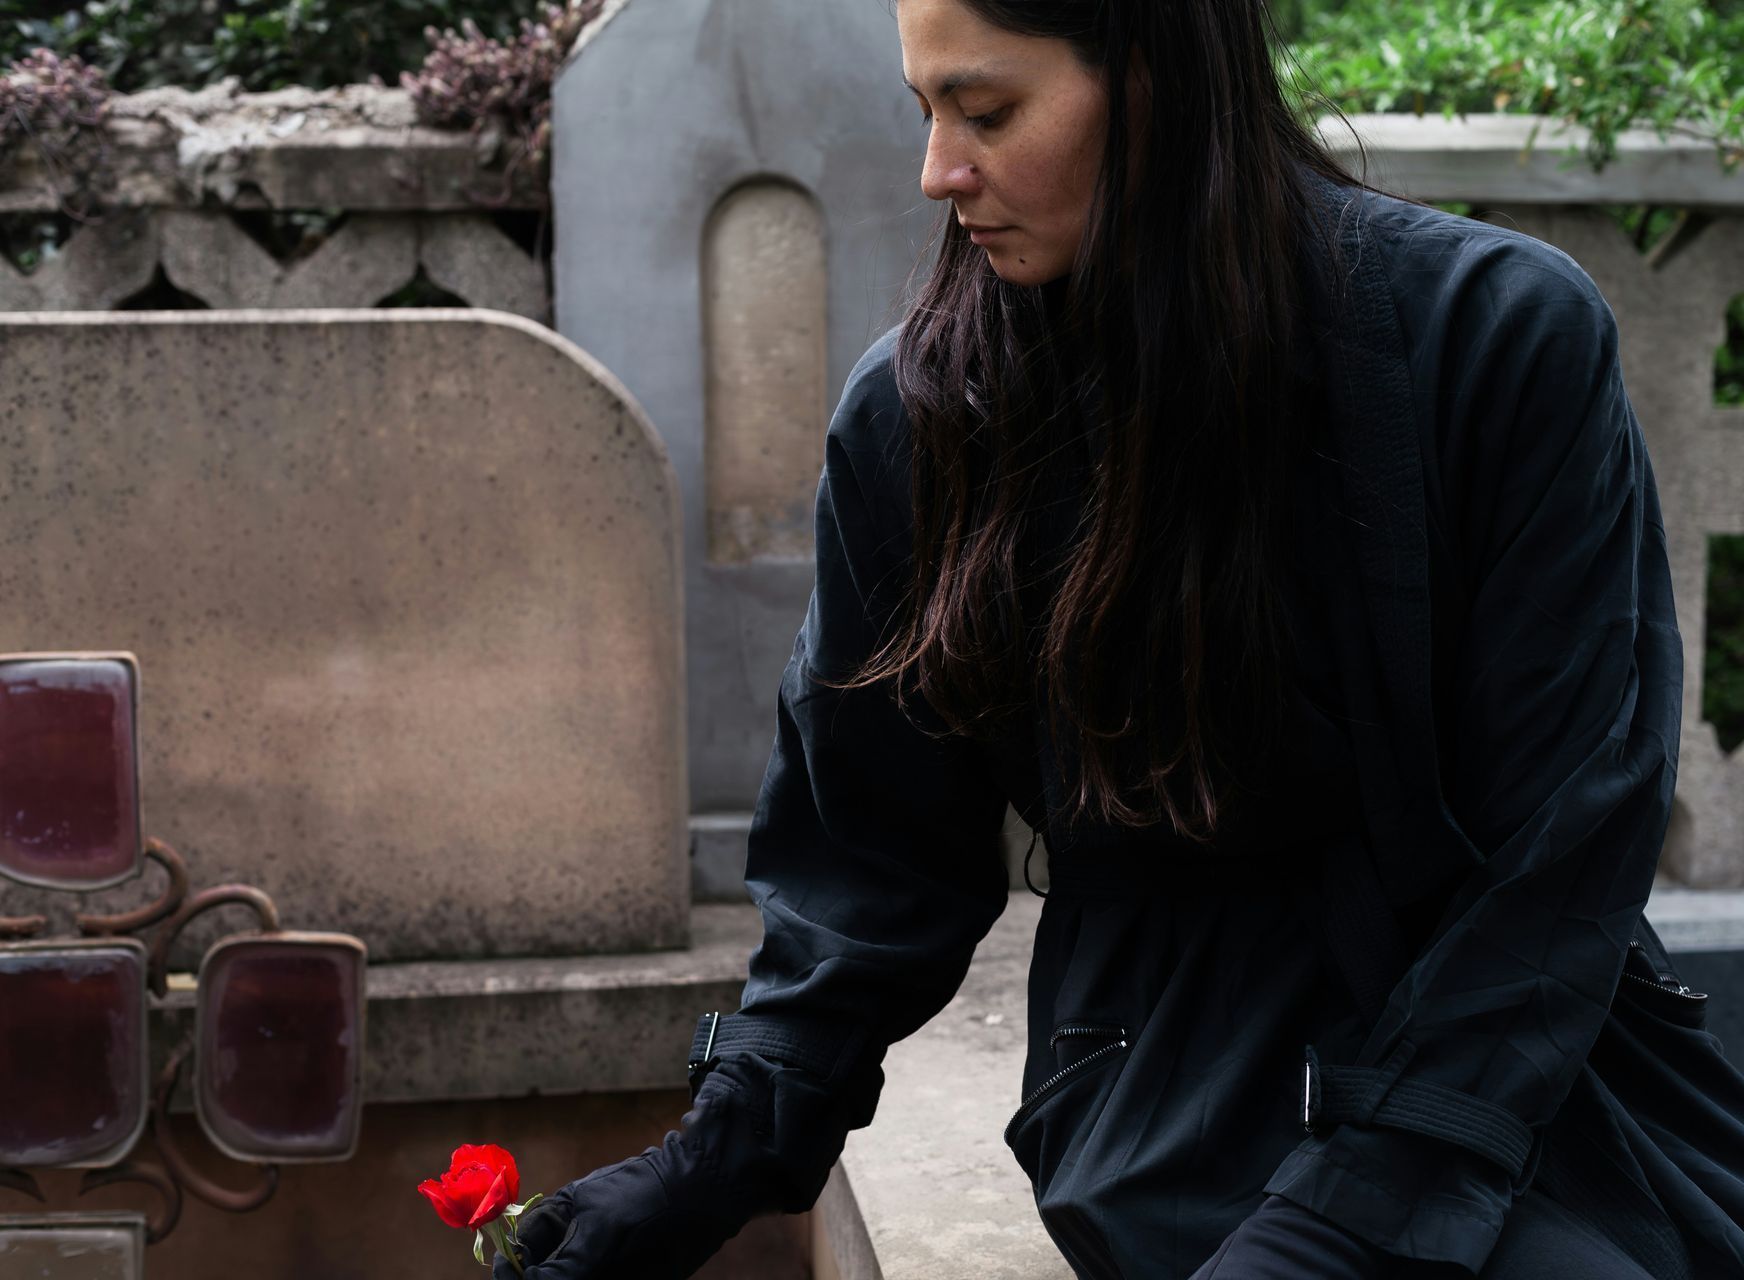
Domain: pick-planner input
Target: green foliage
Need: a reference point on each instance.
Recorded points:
(1723, 662)
(267, 44)
(1674, 65)
(1729, 359)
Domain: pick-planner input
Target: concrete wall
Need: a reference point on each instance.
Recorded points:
(404, 592)
(187, 164)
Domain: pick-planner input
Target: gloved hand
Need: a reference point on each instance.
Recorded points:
(665, 1212)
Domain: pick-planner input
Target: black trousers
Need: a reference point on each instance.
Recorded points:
(1540, 1241)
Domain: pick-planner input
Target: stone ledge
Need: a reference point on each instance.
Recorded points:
(355, 147)
(929, 1189)
(439, 1030)
(1697, 919)
(1481, 158)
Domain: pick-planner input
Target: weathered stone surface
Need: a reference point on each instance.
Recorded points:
(765, 295)
(403, 587)
(929, 1188)
(103, 262)
(508, 1028)
(354, 147)
(468, 255)
(206, 254)
(1483, 157)
(788, 91)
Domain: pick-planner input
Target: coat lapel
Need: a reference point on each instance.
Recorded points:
(1377, 501)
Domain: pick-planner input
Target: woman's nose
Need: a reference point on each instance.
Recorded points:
(947, 173)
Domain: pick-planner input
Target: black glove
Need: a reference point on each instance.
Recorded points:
(664, 1213)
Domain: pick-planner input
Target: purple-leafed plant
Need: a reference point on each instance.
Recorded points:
(57, 105)
(500, 90)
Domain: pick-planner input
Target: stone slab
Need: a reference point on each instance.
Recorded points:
(441, 1030)
(930, 1189)
(403, 586)
(1483, 157)
(790, 91)
(357, 146)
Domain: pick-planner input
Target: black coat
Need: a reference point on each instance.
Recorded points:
(1510, 669)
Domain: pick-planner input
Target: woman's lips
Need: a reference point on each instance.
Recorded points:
(983, 235)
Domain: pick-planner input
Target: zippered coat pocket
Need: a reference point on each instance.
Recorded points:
(1653, 985)
(1080, 1046)
(1053, 1119)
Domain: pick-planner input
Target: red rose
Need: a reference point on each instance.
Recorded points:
(480, 1183)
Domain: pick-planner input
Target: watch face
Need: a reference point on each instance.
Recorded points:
(73, 1052)
(69, 773)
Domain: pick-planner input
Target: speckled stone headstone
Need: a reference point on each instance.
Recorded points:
(403, 587)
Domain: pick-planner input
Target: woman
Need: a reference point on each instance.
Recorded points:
(1289, 555)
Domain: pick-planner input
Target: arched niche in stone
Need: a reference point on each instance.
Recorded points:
(765, 304)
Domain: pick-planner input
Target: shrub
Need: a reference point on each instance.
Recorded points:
(471, 80)
(1675, 65)
(266, 44)
(57, 105)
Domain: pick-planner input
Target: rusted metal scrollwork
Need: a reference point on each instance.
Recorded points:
(23, 1182)
(183, 1172)
(217, 896)
(156, 1228)
(106, 988)
(21, 926)
(151, 913)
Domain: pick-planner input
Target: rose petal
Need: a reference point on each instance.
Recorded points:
(491, 1206)
(446, 1209)
(494, 1158)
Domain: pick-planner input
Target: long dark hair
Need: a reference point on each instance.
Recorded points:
(1156, 627)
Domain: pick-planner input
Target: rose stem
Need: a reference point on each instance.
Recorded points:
(496, 1234)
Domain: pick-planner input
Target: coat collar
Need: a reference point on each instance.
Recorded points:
(1379, 492)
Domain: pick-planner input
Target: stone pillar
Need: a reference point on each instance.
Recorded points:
(667, 108)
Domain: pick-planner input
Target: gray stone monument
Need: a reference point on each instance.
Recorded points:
(738, 207)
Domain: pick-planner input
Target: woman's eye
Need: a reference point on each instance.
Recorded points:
(991, 120)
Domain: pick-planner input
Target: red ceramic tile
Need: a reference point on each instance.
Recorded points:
(69, 790)
(73, 1052)
(279, 1031)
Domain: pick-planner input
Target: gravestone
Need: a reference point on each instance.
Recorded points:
(403, 587)
(736, 189)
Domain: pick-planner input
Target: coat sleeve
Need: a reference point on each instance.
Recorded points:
(874, 854)
(1559, 760)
